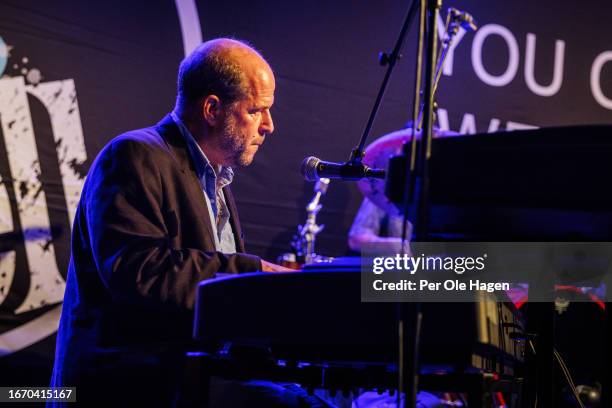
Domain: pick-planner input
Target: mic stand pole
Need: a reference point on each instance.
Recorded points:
(409, 356)
(389, 60)
(408, 381)
(422, 168)
(451, 29)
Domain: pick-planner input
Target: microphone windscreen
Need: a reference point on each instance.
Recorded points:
(309, 168)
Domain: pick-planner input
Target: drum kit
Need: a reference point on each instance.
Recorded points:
(377, 155)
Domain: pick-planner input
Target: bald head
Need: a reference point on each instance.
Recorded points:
(223, 67)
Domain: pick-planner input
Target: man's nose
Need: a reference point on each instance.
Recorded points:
(267, 124)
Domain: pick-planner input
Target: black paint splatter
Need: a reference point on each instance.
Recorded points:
(23, 189)
(37, 193)
(47, 245)
(78, 167)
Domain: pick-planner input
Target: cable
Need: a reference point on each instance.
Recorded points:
(533, 350)
(566, 373)
(568, 377)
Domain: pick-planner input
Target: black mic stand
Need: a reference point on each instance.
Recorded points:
(355, 162)
(421, 184)
(388, 60)
(409, 182)
(407, 380)
(408, 356)
(419, 170)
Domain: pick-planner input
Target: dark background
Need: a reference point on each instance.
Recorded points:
(123, 57)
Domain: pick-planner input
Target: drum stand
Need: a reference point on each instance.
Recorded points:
(303, 243)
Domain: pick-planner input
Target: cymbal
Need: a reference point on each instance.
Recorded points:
(377, 156)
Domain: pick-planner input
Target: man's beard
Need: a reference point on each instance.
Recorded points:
(234, 143)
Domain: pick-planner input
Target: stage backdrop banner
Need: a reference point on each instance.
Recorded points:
(75, 74)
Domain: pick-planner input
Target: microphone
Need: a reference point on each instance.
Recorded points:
(314, 169)
(465, 19)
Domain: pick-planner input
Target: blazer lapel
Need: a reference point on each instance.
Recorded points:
(170, 132)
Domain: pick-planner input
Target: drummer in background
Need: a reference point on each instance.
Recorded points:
(373, 225)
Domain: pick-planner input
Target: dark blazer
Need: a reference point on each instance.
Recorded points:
(142, 240)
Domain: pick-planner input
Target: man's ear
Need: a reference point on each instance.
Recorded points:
(212, 109)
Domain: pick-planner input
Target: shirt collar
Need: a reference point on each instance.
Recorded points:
(224, 175)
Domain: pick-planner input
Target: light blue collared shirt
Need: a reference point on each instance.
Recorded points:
(212, 187)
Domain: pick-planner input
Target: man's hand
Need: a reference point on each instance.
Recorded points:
(272, 267)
